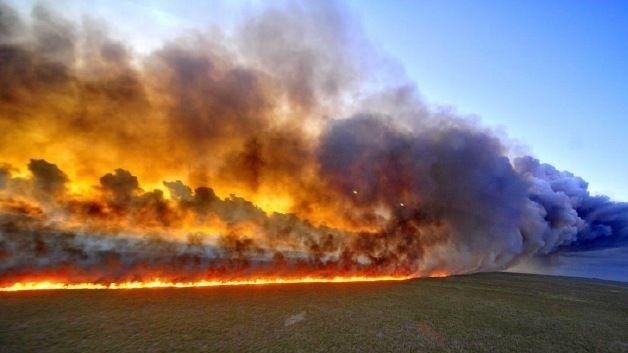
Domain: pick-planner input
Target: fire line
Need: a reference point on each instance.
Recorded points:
(157, 283)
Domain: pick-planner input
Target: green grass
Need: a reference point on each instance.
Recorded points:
(497, 312)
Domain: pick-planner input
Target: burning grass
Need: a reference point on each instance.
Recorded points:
(497, 312)
(157, 283)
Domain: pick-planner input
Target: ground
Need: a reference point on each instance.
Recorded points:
(496, 312)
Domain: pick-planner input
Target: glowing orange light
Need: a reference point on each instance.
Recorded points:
(157, 283)
(439, 273)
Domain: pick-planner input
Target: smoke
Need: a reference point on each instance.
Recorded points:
(48, 179)
(573, 219)
(258, 152)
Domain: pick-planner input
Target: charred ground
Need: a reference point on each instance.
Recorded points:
(496, 312)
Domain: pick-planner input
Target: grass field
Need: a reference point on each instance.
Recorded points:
(497, 312)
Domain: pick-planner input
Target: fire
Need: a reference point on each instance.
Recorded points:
(207, 164)
(158, 283)
(439, 274)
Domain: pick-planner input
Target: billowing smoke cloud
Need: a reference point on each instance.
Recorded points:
(47, 178)
(573, 219)
(256, 153)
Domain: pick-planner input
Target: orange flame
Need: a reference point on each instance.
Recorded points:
(157, 283)
(439, 274)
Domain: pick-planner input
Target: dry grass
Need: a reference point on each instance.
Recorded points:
(497, 312)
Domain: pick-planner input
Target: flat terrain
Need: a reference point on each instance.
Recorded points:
(497, 312)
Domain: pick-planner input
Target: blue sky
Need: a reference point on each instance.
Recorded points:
(553, 75)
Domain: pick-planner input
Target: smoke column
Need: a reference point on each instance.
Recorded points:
(262, 152)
